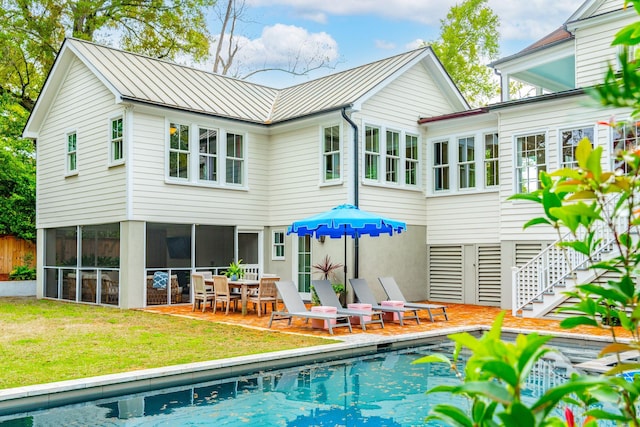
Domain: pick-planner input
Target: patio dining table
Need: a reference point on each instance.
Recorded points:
(245, 285)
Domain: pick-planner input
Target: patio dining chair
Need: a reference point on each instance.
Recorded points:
(267, 294)
(394, 293)
(223, 294)
(200, 292)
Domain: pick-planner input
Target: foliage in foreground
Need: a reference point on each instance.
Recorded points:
(589, 203)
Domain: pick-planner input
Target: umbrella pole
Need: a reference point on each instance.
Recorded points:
(345, 256)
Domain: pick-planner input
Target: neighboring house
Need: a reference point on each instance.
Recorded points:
(146, 166)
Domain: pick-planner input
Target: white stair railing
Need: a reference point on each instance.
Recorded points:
(555, 264)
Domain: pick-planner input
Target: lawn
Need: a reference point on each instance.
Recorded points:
(43, 341)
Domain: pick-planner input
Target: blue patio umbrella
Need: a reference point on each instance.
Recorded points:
(346, 220)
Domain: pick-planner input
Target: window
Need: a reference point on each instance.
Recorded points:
(625, 136)
(208, 157)
(178, 151)
(72, 152)
(441, 165)
(392, 158)
(569, 139)
(235, 158)
(278, 245)
(530, 161)
(331, 153)
(491, 171)
(466, 162)
(411, 160)
(304, 264)
(371, 152)
(117, 141)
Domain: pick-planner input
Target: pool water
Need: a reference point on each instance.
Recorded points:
(376, 390)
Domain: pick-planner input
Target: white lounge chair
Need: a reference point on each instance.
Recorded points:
(296, 308)
(394, 293)
(328, 297)
(364, 295)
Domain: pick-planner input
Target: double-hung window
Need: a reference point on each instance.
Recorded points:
(178, 150)
(208, 154)
(392, 158)
(625, 137)
(411, 159)
(235, 159)
(530, 161)
(331, 153)
(72, 152)
(569, 138)
(491, 170)
(466, 162)
(371, 152)
(116, 146)
(441, 165)
(278, 245)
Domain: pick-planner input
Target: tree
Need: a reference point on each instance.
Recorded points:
(31, 33)
(468, 40)
(588, 202)
(300, 59)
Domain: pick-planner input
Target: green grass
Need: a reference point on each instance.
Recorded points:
(43, 341)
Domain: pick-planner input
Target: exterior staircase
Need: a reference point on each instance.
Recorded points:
(539, 286)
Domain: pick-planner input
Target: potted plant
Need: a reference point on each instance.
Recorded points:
(327, 270)
(235, 270)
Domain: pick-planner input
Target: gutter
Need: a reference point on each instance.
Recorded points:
(356, 251)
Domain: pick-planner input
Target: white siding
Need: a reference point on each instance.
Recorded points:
(408, 98)
(463, 219)
(609, 6)
(594, 52)
(296, 190)
(158, 201)
(97, 194)
(549, 118)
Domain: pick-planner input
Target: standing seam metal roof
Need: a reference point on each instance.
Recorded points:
(149, 80)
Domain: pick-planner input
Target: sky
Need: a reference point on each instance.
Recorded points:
(350, 33)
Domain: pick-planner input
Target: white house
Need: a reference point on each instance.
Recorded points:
(145, 165)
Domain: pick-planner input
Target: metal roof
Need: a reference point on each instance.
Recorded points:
(139, 78)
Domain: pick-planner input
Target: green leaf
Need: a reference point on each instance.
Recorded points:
(433, 358)
(452, 415)
(573, 322)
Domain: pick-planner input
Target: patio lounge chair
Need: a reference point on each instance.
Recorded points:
(328, 297)
(364, 295)
(394, 293)
(295, 308)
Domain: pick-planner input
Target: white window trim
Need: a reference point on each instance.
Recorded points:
(275, 257)
(67, 171)
(194, 155)
(382, 158)
(365, 153)
(572, 127)
(223, 164)
(111, 162)
(454, 187)
(514, 145)
(459, 162)
(217, 156)
(322, 176)
(484, 160)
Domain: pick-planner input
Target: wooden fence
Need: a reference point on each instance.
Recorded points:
(13, 252)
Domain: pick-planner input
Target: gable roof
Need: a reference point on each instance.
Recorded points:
(140, 79)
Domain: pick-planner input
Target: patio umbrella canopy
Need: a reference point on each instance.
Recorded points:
(346, 220)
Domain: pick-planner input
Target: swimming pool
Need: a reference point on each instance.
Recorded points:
(373, 390)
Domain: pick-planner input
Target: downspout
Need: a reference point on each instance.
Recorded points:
(356, 251)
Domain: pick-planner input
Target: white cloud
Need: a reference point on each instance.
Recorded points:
(285, 47)
(385, 45)
(520, 20)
